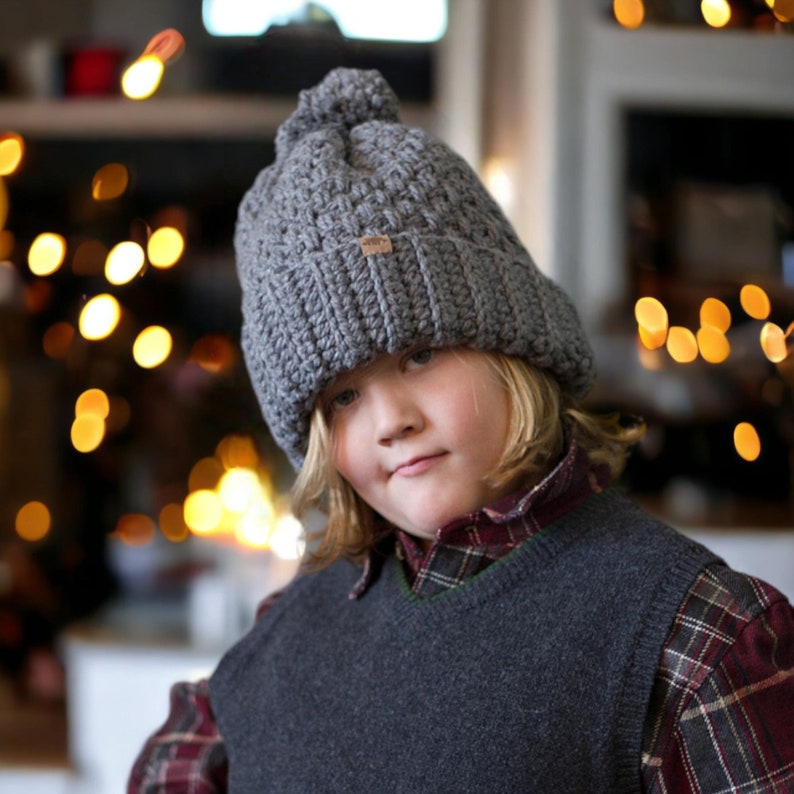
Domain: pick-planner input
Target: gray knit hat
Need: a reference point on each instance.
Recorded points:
(366, 237)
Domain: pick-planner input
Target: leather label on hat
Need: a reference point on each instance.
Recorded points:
(379, 244)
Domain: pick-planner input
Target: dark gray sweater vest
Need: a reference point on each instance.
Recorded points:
(534, 676)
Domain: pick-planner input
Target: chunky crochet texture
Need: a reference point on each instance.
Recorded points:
(315, 305)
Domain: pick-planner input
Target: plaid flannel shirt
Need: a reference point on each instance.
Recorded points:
(721, 714)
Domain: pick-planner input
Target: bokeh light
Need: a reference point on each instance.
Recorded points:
(717, 13)
(46, 253)
(88, 432)
(109, 182)
(12, 150)
(205, 474)
(288, 539)
(254, 529)
(165, 247)
(167, 45)
(713, 344)
(172, 523)
(237, 451)
(746, 441)
(773, 342)
(629, 13)
(715, 313)
(237, 489)
(755, 301)
(124, 262)
(652, 322)
(214, 353)
(783, 10)
(92, 401)
(142, 78)
(682, 345)
(99, 317)
(203, 511)
(135, 529)
(33, 521)
(152, 347)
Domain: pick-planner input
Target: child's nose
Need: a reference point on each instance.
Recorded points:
(397, 414)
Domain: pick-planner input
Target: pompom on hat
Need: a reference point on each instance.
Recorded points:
(366, 236)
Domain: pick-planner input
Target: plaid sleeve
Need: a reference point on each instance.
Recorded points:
(186, 755)
(721, 717)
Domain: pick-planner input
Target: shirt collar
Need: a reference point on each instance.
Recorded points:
(493, 531)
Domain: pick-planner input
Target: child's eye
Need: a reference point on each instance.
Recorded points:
(419, 358)
(342, 399)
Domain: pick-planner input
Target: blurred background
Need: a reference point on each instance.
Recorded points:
(644, 152)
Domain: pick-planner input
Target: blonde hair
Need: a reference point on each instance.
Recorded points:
(542, 419)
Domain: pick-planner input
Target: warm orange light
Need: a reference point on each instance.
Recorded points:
(237, 451)
(783, 10)
(152, 347)
(92, 401)
(109, 182)
(203, 511)
(652, 322)
(135, 529)
(755, 301)
(214, 353)
(172, 523)
(205, 474)
(746, 441)
(715, 313)
(142, 78)
(33, 521)
(99, 317)
(682, 345)
(12, 149)
(87, 433)
(167, 45)
(629, 13)
(713, 344)
(46, 254)
(124, 262)
(165, 247)
(652, 340)
(717, 13)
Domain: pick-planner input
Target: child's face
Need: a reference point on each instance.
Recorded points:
(415, 433)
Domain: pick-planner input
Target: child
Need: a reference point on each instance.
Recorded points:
(484, 612)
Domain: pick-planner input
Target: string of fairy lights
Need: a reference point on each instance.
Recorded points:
(710, 342)
(633, 14)
(231, 498)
